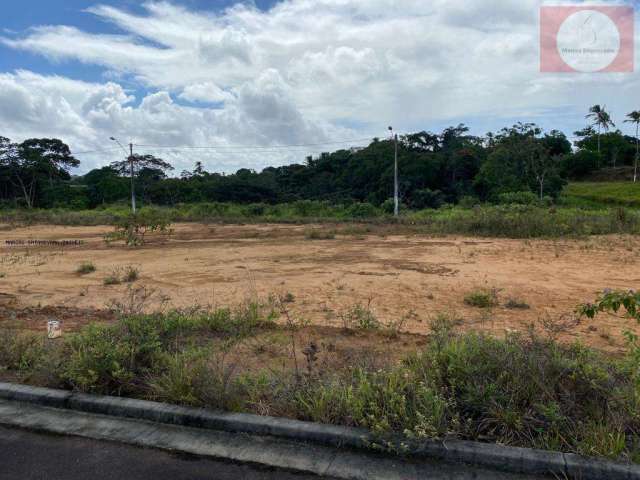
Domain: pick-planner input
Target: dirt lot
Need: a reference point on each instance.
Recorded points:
(410, 277)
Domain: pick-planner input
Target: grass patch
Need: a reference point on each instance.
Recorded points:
(113, 278)
(129, 274)
(626, 194)
(482, 298)
(316, 234)
(85, 268)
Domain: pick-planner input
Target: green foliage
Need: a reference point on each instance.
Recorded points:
(604, 193)
(85, 268)
(613, 301)
(427, 198)
(482, 298)
(360, 317)
(582, 163)
(116, 359)
(21, 351)
(362, 210)
(133, 228)
(518, 198)
(520, 390)
(131, 274)
(113, 278)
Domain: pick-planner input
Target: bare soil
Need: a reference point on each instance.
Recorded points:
(405, 278)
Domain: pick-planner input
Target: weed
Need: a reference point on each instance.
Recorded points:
(85, 268)
(315, 234)
(516, 304)
(288, 298)
(360, 317)
(482, 298)
(113, 278)
(131, 274)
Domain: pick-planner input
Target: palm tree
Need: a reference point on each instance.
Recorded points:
(634, 117)
(601, 118)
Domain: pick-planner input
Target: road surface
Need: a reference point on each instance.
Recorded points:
(26, 455)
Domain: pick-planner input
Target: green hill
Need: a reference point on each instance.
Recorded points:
(603, 193)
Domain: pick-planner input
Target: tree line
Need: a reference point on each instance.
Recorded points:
(435, 168)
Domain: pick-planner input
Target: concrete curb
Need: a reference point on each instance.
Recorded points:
(510, 459)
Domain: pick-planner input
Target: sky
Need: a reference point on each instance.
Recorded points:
(268, 82)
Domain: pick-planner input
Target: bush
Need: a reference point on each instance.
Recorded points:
(86, 268)
(518, 198)
(426, 198)
(113, 360)
(362, 210)
(482, 298)
(360, 317)
(133, 228)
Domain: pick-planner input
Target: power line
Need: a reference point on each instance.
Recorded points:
(104, 150)
(256, 147)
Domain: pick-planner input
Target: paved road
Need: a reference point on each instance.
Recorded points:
(26, 455)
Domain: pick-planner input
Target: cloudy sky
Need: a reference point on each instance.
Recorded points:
(268, 82)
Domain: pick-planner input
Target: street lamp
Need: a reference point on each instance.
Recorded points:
(130, 158)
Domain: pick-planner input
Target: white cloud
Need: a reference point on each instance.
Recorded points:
(205, 92)
(298, 73)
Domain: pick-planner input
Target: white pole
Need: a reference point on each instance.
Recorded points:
(396, 200)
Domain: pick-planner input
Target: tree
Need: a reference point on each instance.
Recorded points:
(634, 117)
(601, 119)
(34, 164)
(135, 164)
(540, 165)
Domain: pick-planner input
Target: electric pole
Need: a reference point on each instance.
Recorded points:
(396, 200)
(133, 187)
(131, 170)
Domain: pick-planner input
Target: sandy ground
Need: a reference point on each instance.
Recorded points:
(409, 277)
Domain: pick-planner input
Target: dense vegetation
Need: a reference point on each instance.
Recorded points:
(435, 169)
(526, 389)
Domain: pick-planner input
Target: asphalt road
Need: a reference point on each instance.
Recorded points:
(27, 455)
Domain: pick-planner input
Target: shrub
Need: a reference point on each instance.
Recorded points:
(426, 198)
(482, 298)
(113, 360)
(113, 278)
(131, 274)
(388, 206)
(21, 351)
(360, 317)
(362, 210)
(86, 268)
(518, 198)
(133, 228)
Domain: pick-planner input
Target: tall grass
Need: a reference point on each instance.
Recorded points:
(513, 221)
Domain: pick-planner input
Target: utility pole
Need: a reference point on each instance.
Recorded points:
(131, 170)
(396, 199)
(133, 187)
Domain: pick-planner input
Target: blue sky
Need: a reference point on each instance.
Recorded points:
(271, 75)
